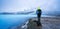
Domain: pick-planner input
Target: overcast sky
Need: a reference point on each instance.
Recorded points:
(21, 5)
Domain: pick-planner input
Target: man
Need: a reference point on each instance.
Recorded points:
(38, 16)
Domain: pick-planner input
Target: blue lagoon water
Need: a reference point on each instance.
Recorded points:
(13, 20)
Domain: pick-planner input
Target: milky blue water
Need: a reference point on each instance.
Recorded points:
(13, 20)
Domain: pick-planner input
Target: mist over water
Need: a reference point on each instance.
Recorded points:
(48, 7)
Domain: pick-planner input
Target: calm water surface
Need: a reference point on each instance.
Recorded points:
(13, 20)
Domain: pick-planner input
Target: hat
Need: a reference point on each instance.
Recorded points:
(38, 8)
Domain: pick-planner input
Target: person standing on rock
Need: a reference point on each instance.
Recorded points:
(38, 16)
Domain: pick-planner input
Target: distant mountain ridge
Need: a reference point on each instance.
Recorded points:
(16, 12)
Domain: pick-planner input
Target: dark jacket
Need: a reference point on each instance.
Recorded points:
(38, 12)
